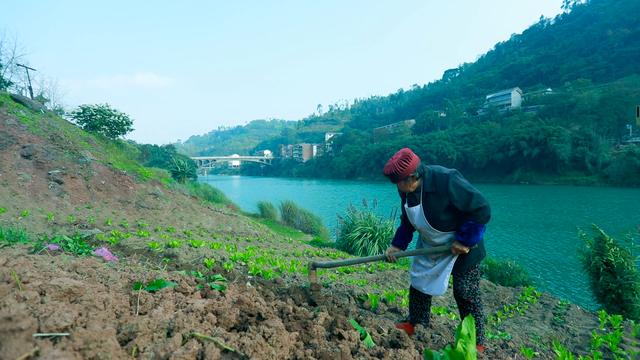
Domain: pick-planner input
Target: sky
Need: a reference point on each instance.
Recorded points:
(183, 68)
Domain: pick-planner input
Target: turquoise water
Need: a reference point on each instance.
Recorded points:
(535, 225)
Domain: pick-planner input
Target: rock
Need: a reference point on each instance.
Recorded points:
(31, 104)
(6, 140)
(56, 176)
(29, 151)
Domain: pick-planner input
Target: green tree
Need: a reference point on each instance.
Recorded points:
(102, 119)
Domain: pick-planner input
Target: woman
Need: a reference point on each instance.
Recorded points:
(445, 209)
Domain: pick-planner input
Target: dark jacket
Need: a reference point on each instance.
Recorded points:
(449, 201)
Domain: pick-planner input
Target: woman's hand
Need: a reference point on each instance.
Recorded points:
(459, 249)
(389, 253)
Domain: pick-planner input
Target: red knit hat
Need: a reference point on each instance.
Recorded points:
(401, 165)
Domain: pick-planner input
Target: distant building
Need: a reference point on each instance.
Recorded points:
(234, 164)
(393, 129)
(328, 141)
(503, 100)
(303, 152)
(286, 151)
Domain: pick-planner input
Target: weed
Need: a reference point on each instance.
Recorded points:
(24, 214)
(71, 219)
(108, 222)
(2, 210)
(50, 217)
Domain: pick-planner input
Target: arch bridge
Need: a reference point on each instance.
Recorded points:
(208, 162)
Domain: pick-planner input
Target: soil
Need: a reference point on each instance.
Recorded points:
(50, 186)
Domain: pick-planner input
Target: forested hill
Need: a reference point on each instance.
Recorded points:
(598, 41)
(589, 56)
(238, 139)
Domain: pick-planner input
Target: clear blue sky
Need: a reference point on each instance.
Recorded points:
(183, 68)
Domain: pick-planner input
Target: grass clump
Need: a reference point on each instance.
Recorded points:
(11, 236)
(505, 272)
(302, 219)
(363, 233)
(613, 274)
(267, 210)
(206, 192)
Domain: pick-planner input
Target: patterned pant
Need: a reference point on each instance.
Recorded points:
(466, 291)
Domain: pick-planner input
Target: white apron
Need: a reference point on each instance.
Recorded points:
(430, 273)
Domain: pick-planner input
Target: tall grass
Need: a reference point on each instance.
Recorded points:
(505, 272)
(302, 219)
(206, 192)
(363, 233)
(613, 274)
(267, 210)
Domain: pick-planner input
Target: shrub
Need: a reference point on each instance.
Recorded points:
(302, 219)
(613, 275)
(182, 169)
(267, 210)
(505, 273)
(363, 233)
(102, 119)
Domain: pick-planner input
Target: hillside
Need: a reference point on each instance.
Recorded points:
(574, 133)
(239, 288)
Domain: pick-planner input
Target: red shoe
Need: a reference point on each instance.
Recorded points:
(480, 349)
(407, 327)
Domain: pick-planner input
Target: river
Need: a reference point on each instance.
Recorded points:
(537, 226)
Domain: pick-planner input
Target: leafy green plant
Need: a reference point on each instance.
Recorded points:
(528, 352)
(614, 277)
(154, 245)
(3, 210)
(562, 352)
(72, 244)
(363, 233)
(142, 233)
(365, 337)
(267, 210)
(208, 263)
(505, 273)
(50, 217)
(464, 346)
(71, 218)
(154, 285)
(197, 243)
(108, 222)
(227, 266)
(174, 244)
(24, 213)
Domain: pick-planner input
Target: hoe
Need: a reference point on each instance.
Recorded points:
(313, 266)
